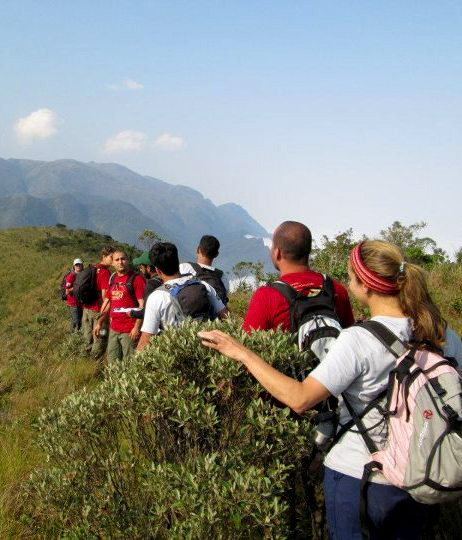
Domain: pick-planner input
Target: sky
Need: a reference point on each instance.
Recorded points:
(338, 114)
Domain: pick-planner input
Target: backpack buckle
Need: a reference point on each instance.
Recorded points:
(450, 413)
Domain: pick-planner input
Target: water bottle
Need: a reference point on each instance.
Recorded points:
(325, 429)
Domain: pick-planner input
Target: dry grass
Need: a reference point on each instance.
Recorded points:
(33, 370)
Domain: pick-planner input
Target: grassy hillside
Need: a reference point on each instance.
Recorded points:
(40, 363)
(36, 369)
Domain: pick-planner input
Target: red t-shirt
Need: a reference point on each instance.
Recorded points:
(102, 282)
(268, 309)
(120, 297)
(69, 283)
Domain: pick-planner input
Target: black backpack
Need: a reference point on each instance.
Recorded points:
(315, 324)
(313, 319)
(213, 278)
(151, 285)
(193, 299)
(85, 290)
(129, 284)
(62, 287)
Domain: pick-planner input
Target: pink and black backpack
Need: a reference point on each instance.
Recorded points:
(422, 411)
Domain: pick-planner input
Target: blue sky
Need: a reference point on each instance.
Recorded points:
(337, 114)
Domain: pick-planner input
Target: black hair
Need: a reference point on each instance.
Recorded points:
(209, 246)
(294, 241)
(164, 255)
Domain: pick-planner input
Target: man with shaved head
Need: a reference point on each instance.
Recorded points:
(290, 252)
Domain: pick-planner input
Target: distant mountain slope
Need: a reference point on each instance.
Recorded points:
(20, 210)
(112, 199)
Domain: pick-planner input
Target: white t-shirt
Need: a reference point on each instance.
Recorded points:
(163, 310)
(358, 364)
(187, 268)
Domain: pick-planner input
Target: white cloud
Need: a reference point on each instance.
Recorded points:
(40, 124)
(167, 141)
(128, 84)
(125, 141)
(133, 85)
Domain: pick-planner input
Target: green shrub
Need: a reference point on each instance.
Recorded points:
(177, 442)
(72, 346)
(239, 300)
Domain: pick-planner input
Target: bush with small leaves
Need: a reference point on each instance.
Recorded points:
(175, 442)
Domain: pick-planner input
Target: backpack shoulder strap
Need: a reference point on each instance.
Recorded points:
(290, 294)
(130, 287)
(328, 285)
(388, 339)
(363, 431)
(129, 283)
(94, 274)
(219, 273)
(287, 291)
(197, 267)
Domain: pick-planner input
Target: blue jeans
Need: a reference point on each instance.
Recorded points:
(392, 513)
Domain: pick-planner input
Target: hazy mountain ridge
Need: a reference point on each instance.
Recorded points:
(109, 198)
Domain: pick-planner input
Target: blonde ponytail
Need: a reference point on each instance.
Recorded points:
(416, 303)
(386, 261)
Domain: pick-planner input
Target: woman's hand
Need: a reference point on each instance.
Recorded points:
(224, 344)
(299, 396)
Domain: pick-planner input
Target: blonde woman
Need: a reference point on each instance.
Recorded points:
(358, 365)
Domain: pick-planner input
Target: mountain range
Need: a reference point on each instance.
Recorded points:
(111, 199)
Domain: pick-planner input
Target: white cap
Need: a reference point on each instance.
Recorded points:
(77, 261)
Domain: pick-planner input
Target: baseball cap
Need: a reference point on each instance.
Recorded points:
(77, 261)
(142, 259)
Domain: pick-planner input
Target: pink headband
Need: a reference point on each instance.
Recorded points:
(369, 278)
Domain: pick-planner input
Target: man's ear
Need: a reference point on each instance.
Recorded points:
(277, 253)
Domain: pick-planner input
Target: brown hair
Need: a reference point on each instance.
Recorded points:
(107, 250)
(386, 260)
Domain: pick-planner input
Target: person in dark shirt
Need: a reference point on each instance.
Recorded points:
(153, 281)
(207, 251)
(96, 345)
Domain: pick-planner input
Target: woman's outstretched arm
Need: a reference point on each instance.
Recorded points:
(299, 396)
